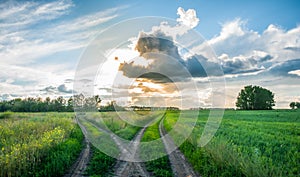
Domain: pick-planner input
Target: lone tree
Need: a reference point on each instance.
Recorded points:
(293, 105)
(255, 98)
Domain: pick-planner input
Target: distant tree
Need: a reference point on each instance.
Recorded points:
(255, 98)
(70, 107)
(293, 105)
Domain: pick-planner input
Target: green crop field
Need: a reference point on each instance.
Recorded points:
(247, 143)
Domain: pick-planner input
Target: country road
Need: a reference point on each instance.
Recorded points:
(80, 165)
(127, 168)
(179, 165)
(130, 151)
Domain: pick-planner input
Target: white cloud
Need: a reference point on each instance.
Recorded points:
(87, 22)
(28, 81)
(295, 72)
(188, 18)
(21, 42)
(185, 22)
(26, 52)
(230, 29)
(235, 39)
(31, 31)
(22, 14)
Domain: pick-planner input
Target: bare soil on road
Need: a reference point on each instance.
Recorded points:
(180, 166)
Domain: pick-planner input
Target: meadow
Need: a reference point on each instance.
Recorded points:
(38, 144)
(247, 143)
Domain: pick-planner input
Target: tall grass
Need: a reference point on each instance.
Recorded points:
(38, 146)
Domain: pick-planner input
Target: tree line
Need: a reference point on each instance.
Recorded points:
(31, 104)
(59, 104)
(249, 98)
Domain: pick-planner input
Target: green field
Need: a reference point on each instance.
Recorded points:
(247, 143)
(39, 144)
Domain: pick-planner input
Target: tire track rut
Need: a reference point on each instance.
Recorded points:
(80, 165)
(180, 166)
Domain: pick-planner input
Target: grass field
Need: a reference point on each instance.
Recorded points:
(38, 144)
(247, 143)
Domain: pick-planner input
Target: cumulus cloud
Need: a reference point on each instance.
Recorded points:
(160, 49)
(188, 18)
(241, 50)
(184, 23)
(245, 64)
(62, 88)
(236, 39)
(157, 42)
(56, 90)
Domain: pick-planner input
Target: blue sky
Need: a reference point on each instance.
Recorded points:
(256, 42)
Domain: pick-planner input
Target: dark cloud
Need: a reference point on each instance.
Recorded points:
(295, 49)
(157, 77)
(55, 90)
(165, 60)
(62, 88)
(131, 70)
(156, 42)
(283, 68)
(49, 89)
(199, 66)
(166, 64)
(239, 65)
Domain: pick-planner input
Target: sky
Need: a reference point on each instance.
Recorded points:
(45, 44)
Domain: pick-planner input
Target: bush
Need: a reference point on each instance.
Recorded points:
(6, 114)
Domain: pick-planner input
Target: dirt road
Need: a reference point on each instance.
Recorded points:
(179, 165)
(127, 168)
(80, 165)
(122, 168)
